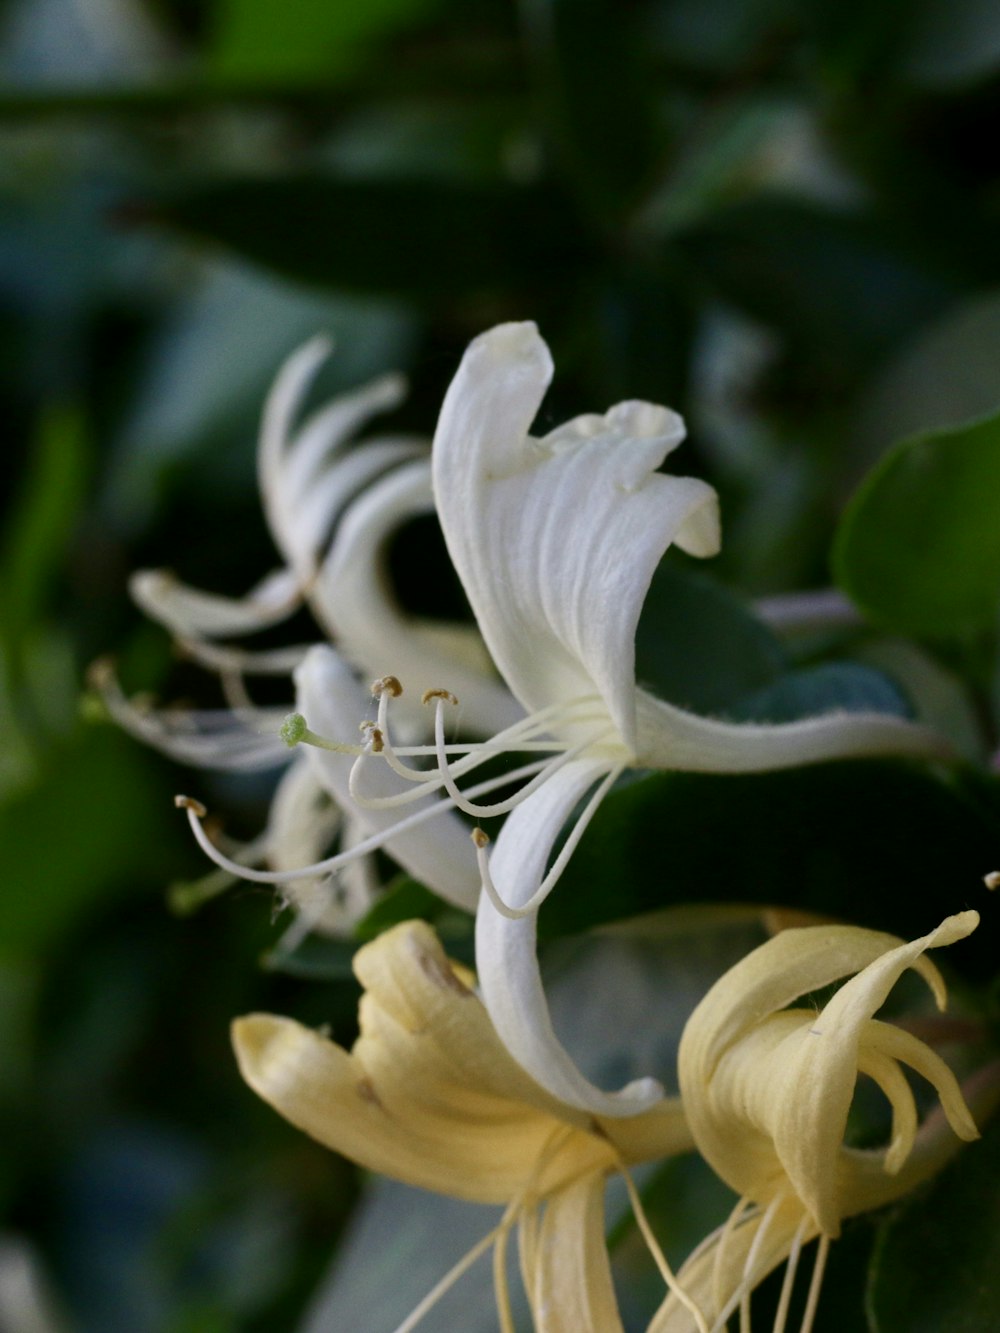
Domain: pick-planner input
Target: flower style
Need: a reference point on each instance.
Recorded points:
(429, 1096)
(768, 1089)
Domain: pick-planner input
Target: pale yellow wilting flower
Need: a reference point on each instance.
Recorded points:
(767, 1090)
(429, 1096)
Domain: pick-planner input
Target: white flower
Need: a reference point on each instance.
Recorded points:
(556, 540)
(331, 511)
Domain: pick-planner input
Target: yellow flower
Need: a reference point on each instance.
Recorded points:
(767, 1090)
(430, 1096)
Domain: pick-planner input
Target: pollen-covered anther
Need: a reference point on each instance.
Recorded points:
(480, 838)
(992, 880)
(376, 737)
(189, 803)
(446, 695)
(387, 685)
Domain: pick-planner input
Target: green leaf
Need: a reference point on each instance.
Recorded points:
(809, 273)
(919, 545)
(954, 1227)
(846, 687)
(430, 240)
(699, 646)
(95, 825)
(587, 58)
(256, 39)
(879, 843)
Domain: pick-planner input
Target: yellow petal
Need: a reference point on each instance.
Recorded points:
(564, 1262)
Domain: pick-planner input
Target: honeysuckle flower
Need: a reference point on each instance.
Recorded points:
(429, 1096)
(768, 1088)
(555, 540)
(331, 512)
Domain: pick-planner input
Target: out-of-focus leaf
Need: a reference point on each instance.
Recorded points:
(948, 377)
(255, 39)
(403, 900)
(591, 82)
(879, 843)
(955, 1225)
(399, 1244)
(809, 273)
(94, 823)
(699, 646)
(413, 239)
(34, 544)
(315, 959)
(830, 687)
(947, 42)
(210, 366)
(919, 545)
(717, 35)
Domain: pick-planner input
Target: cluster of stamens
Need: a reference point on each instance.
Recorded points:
(444, 765)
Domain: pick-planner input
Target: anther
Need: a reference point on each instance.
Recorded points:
(447, 695)
(189, 803)
(375, 737)
(101, 673)
(480, 838)
(992, 880)
(387, 685)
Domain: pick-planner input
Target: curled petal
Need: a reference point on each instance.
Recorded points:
(506, 955)
(508, 503)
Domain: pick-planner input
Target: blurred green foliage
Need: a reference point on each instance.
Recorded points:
(781, 219)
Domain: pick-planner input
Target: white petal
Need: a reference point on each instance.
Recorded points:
(506, 958)
(556, 540)
(379, 638)
(191, 613)
(438, 852)
(670, 737)
(288, 467)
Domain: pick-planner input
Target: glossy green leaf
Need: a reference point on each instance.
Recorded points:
(300, 38)
(848, 687)
(414, 239)
(699, 646)
(808, 272)
(879, 843)
(937, 1261)
(919, 545)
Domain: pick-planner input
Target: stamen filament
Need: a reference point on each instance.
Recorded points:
(196, 812)
(558, 865)
(499, 807)
(746, 1282)
(791, 1267)
(812, 1301)
(659, 1258)
(442, 1287)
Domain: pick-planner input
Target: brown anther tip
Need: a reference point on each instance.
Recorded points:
(992, 880)
(447, 695)
(387, 685)
(480, 838)
(189, 803)
(377, 740)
